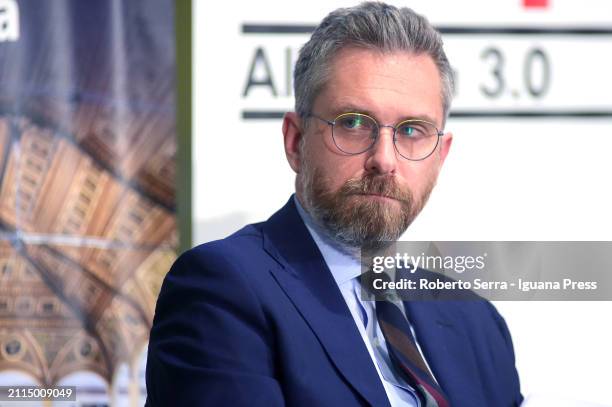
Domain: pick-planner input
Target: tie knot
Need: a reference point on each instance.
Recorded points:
(378, 286)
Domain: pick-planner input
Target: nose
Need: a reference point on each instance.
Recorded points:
(382, 157)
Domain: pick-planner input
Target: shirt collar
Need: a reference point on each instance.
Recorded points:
(342, 266)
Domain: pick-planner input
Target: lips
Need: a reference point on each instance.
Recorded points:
(382, 187)
(378, 195)
(382, 196)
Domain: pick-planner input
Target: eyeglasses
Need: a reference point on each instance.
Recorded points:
(356, 133)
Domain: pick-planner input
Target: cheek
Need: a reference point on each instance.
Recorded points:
(337, 167)
(345, 168)
(418, 175)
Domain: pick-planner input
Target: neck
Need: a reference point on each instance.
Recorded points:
(323, 233)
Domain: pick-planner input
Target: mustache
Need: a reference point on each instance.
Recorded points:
(382, 185)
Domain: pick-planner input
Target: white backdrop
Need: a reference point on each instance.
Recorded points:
(507, 177)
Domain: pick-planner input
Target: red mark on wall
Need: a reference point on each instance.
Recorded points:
(535, 3)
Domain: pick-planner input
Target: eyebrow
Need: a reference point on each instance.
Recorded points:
(351, 108)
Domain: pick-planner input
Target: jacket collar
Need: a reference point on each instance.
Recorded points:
(308, 282)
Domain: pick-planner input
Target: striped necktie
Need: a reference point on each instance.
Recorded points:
(406, 356)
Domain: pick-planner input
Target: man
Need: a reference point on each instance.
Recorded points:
(272, 315)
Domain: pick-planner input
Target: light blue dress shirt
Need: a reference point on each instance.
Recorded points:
(346, 270)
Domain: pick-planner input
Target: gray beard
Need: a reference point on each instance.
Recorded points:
(355, 223)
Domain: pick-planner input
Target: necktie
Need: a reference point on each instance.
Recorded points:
(406, 356)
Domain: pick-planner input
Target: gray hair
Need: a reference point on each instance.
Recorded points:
(370, 25)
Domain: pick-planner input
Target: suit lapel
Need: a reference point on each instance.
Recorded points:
(447, 350)
(307, 281)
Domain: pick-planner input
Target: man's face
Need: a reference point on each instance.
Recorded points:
(370, 197)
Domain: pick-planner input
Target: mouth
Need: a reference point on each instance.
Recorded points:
(384, 198)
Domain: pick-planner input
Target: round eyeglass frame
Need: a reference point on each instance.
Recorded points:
(332, 123)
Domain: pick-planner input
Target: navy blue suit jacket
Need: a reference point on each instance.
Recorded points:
(257, 319)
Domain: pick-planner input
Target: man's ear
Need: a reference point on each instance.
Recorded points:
(446, 140)
(292, 135)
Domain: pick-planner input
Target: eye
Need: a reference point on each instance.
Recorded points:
(352, 122)
(415, 130)
(406, 131)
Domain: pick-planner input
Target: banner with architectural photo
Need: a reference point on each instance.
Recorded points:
(87, 182)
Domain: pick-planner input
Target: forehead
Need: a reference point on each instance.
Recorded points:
(392, 85)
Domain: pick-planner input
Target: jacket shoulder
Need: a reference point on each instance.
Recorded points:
(245, 245)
